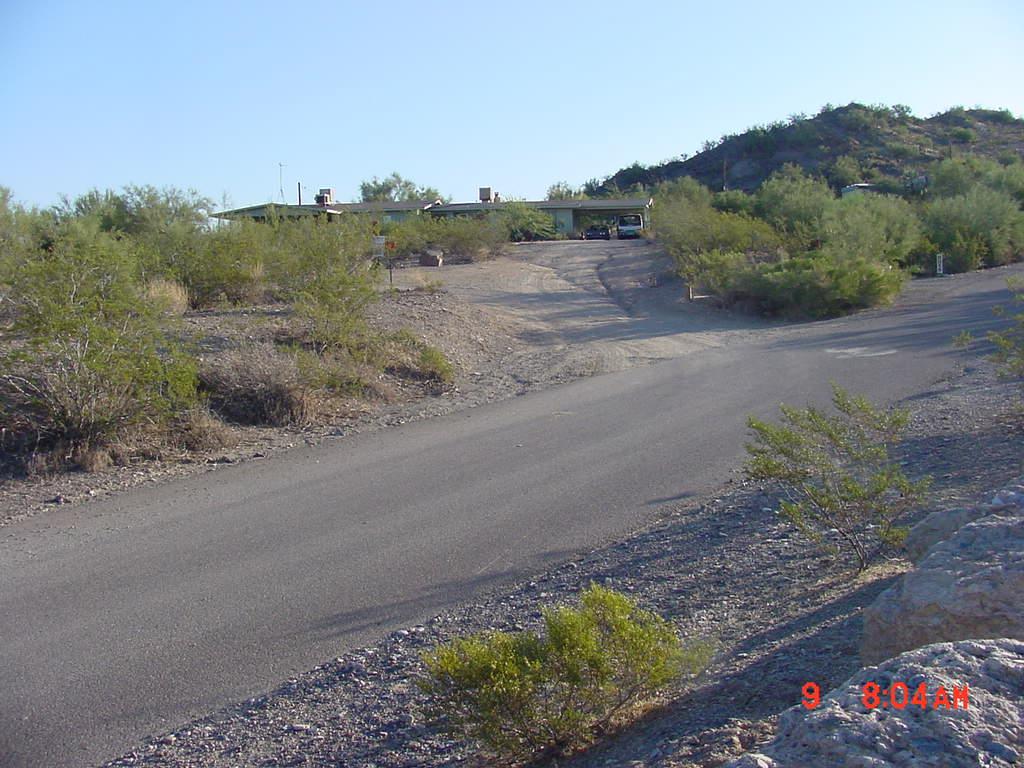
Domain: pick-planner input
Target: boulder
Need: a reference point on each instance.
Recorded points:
(841, 732)
(943, 523)
(940, 525)
(969, 586)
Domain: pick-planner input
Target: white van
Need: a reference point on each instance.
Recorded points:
(630, 225)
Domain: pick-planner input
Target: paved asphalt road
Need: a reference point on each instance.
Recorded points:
(124, 618)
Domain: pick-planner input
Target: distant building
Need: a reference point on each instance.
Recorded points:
(857, 189)
(568, 215)
(325, 206)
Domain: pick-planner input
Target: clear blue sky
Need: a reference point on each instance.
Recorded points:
(515, 95)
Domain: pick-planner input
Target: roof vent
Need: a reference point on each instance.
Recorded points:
(325, 196)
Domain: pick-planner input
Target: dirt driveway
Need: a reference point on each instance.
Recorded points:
(599, 306)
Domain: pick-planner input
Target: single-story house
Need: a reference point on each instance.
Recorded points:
(570, 216)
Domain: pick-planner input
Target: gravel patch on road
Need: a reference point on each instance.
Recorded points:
(724, 567)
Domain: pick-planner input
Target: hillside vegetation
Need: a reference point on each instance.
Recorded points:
(844, 145)
(793, 247)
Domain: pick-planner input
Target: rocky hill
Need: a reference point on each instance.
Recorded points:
(856, 143)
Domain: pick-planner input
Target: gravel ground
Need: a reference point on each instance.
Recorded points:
(725, 568)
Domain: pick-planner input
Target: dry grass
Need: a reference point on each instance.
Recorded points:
(258, 384)
(199, 430)
(171, 295)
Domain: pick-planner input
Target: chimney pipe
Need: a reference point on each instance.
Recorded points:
(299, 185)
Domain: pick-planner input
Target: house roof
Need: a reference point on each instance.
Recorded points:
(260, 211)
(434, 206)
(597, 204)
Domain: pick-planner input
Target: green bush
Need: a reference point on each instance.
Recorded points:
(434, 365)
(324, 269)
(984, 227)
(845, 170)
(524, 222)
(89, 359)
(473, 238)
(521, 694)
(871, 226)
(794, 204)
(836, 471)
(818, 286)
(733, 201)
(1009, 343)
(695, 234)
(963, 135)
(468, 237)
(225, 264)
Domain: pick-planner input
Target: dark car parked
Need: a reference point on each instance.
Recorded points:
(597, 232)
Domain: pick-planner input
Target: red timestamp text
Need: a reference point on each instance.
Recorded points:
(898, 695)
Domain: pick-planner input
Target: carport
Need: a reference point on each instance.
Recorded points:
(571, 216)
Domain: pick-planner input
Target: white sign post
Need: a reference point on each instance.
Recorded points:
(938, 265)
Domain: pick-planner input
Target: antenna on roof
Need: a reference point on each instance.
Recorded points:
(280, 180)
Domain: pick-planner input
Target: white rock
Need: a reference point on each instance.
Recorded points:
(969, 586)
(842, 733)
(939, 526)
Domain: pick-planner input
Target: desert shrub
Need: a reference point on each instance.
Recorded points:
(470, 237)
(1009, 343)
(816, 286)
(984, 227)
(198, 429)
(524, 222)
(733, 201)
(858, 117)
(741, 259)
(846, 169)
(473, 237)
(412, 235)
(1009, 178)
(90, 357)
(963, 135)
(957, 176)
(259, 384)
(794, 204)
(404, 354)
(522, 694)
(696, 235)
(434, 365)
(324, 269)
(901, 150)
(836, 471)
(722, 272)
(225, 264)
(684, 188)
(871, 226)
